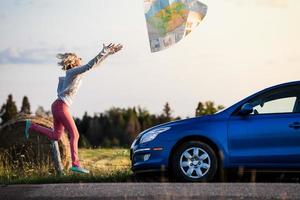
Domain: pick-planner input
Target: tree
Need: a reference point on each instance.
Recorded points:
(207, 108)
(25, 106)
(9, 110)
(116, 124)
(144, 118)
(133, 126)
(200, 110)
(167, 112)
(94, 133)
(83, 142)
(41, 112)
(83, 124)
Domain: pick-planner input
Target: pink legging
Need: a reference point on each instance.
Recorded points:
(62, 120)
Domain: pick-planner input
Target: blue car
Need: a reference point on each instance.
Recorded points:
(261, 131)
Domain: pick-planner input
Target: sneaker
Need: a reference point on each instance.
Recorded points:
(27, 126)
(79, 170)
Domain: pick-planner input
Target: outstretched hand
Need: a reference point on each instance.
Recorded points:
(112, 48)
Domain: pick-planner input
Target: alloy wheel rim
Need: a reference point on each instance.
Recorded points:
(195, 162)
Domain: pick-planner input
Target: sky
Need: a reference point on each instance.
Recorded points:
(240, 47)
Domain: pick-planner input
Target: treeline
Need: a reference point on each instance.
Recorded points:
(114, 127)
(119, 126)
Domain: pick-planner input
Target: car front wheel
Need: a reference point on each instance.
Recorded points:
(194, 161)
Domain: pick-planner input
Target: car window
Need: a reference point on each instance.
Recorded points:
(282, 100)
(283, 105)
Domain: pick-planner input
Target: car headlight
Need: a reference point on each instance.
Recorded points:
(151, 135)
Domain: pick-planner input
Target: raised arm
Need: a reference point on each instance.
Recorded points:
(104, 53)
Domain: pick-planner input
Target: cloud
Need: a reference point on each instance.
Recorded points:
(29, 3)
(23, 2)
(28, 56)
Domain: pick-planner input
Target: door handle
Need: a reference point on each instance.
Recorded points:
(295, 125)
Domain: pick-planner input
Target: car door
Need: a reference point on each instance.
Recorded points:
(270, 135)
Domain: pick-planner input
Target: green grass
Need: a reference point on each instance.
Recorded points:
(105, 165)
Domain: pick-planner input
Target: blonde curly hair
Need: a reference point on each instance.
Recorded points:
(68, 60)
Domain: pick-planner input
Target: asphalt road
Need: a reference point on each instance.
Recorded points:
(159, 191)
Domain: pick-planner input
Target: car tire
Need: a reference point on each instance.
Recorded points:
(194, 161)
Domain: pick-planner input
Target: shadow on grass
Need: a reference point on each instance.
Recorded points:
(116, 176)
(128, 176)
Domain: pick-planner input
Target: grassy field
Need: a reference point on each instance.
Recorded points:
(105, 165)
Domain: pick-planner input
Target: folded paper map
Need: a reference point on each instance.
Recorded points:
(168, 21)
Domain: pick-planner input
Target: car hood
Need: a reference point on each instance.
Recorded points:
(181, 122)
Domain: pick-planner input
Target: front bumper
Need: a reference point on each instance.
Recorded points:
(152, 156)
(147, 159)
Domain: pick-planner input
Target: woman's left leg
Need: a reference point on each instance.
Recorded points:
(67, 120)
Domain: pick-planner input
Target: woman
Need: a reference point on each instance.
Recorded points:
(66, 90)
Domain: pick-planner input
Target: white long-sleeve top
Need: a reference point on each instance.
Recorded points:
(68, 85)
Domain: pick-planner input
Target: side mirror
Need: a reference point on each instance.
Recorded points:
(246, 109)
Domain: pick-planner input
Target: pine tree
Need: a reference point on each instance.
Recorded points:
(208, 108)
(144, 118)
(9, 110)
(94, 132)
(167, 112)
(84, 124)
(25, 106)
(200, 110)
(133, 126)
(41, 112)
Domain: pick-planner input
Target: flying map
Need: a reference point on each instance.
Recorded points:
(168, 21)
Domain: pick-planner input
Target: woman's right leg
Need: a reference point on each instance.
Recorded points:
(52, 134)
